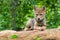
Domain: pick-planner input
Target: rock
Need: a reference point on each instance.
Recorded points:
(48, 34)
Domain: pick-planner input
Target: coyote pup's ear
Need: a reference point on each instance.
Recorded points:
(35, 8)
(43, 8)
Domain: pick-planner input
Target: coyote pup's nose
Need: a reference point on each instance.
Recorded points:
(38, 18)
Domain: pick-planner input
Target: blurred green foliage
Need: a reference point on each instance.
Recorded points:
(22, 10)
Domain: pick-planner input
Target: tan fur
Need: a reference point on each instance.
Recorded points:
(39, 21)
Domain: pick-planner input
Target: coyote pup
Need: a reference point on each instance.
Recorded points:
(39, 20)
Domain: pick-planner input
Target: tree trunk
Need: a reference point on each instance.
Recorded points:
(13, 5)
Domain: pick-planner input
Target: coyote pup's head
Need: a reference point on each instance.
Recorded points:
(39, 13)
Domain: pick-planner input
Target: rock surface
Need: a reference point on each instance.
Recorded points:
(49, 34)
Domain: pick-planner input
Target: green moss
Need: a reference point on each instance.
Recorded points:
(14, 36)
(36, 38)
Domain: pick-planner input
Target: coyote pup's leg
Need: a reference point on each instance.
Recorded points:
(29, 25)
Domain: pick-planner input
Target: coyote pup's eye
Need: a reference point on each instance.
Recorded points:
(37, 14)
(41, 14)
